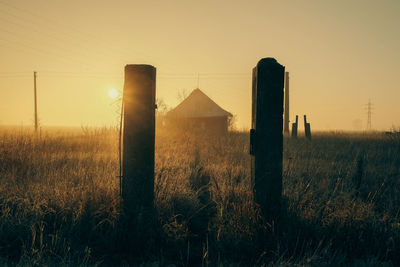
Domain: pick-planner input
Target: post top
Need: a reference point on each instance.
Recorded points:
(139, 66)
(267, 61)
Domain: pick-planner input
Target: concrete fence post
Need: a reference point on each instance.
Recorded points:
(138, 140)
(307, 128)
(266, 136)
(294, 127)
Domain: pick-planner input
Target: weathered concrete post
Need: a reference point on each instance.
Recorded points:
(286, 113)
(266, 136)
(307, 128)
(294, 127)
(138, 140)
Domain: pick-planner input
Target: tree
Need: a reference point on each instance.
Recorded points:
(232, 123)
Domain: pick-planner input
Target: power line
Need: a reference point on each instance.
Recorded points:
(61, 41)
(77, 39)
(55, 74)
(14, 72)
(67, 44)
(55, 25)
(42, 51)
(15, 76)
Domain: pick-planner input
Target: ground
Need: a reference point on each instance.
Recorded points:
(60, 204)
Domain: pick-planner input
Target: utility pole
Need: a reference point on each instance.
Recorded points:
(286, 112)
(369, 114)
(35, 100)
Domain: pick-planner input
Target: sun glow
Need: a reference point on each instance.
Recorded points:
(113, 93)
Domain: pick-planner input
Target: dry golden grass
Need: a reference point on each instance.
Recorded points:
(59, 201)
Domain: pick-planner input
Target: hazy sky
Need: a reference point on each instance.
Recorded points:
(339, 55)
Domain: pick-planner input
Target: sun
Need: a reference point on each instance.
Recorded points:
(113, 93)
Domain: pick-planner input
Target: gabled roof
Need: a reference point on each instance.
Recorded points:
(198, 105)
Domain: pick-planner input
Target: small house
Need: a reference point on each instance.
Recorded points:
(199, 113)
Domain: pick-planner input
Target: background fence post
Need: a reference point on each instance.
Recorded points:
(138, 140)
(286, 113)
(294, 127)
(267, 137)
(307, 128)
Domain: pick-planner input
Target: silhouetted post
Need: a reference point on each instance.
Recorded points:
(35, 101)
(307, 128)
(138, 140)
(286, 113)
(266, 136)
(294, 127)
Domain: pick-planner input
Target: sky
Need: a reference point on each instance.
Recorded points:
(340, 54)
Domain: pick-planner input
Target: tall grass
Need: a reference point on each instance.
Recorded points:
(59, 201)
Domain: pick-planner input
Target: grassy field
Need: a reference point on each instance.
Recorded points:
(59, 202)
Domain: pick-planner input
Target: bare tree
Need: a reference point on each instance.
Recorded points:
(162, 108)
(232, 123)
(182, 95)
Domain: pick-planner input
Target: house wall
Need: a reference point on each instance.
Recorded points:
(207, 125)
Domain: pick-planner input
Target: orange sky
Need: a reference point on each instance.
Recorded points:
(339, 54)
